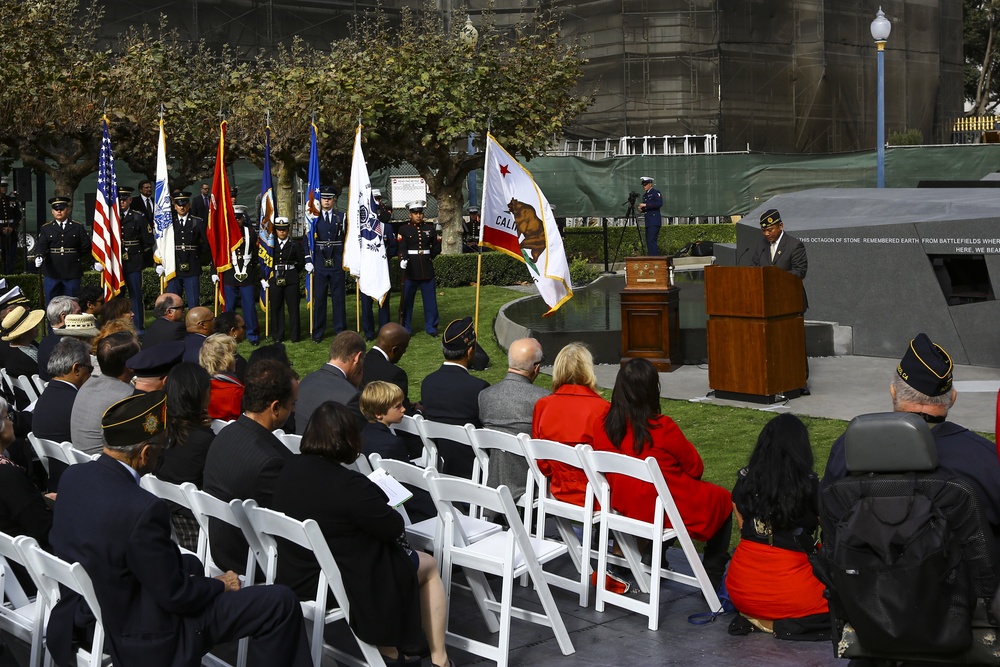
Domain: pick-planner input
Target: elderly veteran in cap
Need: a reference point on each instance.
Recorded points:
(779, 249)
(158, 608)
(652, 202)
(451, 394)
(62, 248)
(418, 246)
(152, 365)
(923, 385)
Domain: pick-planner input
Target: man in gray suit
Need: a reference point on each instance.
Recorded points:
(508, 406)
(337, 380)
(102, 391)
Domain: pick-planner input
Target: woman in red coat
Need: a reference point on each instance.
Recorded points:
(567, 416)
(218, 357)
(634, 426)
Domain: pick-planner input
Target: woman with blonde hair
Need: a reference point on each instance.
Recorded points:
(218, 357)
(567, 416)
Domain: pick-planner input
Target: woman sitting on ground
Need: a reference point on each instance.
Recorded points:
(567, 416)
(635, 426)
(775, 495)
(218, 357)
(392, 590)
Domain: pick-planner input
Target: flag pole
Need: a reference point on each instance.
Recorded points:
(357, 305)
(267, 311)
(313, 298)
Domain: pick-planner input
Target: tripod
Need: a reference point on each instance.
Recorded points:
(630, 219)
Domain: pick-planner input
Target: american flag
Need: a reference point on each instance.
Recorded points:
(106, 246)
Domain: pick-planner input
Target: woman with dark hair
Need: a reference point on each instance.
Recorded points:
(119, 307)
(635, 426)
(189, 436)
(775, 495)
(393, 590)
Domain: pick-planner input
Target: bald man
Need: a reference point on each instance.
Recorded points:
(381, 360)
(508, 406)
(200, 324)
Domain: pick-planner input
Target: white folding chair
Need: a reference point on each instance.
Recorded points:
(74, 455)
(7, 380)
(564, 514)
(507, 554)
(431, 431)
(360, 465)
(269, 525)
(28, 387)
(48, 572)
(411, 424)
(175, 493)
(485, 441)
(49, 449)
(20, 616)
(597, 466)
(219, 424)
(39, 383)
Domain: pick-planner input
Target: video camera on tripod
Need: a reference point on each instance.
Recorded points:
(632, 196)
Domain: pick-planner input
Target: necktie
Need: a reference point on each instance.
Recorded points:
(328, 221)
(774, 246)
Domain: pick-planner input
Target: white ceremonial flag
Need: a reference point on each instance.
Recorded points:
(163, 223)
(364, 246)
(518, 220)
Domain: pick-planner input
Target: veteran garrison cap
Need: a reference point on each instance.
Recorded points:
(156, 361)
(926, 367)
(769, 218)
(459, 335)
(136, 419)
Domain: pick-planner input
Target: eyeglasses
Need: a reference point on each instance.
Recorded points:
(176, 308)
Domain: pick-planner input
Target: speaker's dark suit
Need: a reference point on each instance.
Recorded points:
(162, 330)
(158, 609)
(327, 384)
(451, 395)
(790, 256)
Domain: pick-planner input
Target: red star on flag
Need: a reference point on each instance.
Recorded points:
(504, 170)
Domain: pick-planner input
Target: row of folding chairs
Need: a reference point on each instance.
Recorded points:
(32, 386)
(48, 450)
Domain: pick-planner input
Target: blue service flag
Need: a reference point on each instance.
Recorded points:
(268, 211)
(312, 204)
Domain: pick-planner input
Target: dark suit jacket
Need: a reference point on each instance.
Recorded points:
(162, 330)
(327, 384)
(192, 346)
(120, 533)
(198, 207)
(451, 395)
(377, 367)
(790, 256)
(243, 462)
(53, 411)
(45, 347)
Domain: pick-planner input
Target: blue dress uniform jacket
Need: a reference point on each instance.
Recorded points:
(63, 250)
(328, 277)
(190, 243)
(137, 240)
(654, 202)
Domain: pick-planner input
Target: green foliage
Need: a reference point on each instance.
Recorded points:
(460, 270)
(911, 137)
(582, 272)
(588, 243)
(981, 22)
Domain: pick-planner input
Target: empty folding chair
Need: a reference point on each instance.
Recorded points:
(599, 464)
(507, 554)
(20, 616)
(268, 526)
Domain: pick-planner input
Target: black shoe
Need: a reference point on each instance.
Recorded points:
(805, 392)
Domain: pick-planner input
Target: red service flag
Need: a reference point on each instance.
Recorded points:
(224, 232)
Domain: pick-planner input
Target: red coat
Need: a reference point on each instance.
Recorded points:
(704, 506)
(225, 398)
(567, 416)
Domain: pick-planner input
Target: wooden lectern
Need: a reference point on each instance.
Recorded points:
(650, 313)
(756, 333)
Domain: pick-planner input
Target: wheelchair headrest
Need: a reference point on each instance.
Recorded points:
(889, 442)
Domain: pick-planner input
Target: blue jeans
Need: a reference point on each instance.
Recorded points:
(189, 287)
(247, 300)
(133, 281)
(56, 287)
(429, 298)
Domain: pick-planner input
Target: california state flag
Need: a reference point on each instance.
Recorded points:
(518, 220)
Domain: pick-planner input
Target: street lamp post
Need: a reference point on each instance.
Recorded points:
(880, 33)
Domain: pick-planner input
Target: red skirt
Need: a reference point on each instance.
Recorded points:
(769, 583)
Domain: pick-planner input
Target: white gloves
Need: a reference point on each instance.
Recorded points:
(159, 270)
(403, 263)
(263, 283)
(98, 266)
(309, 267)
(215, 278)
(38, 262)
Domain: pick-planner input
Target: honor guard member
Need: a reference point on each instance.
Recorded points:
(137, 240)
(384, 312)
(418, 246)
(652, 201)
(238, 282)
(63, 246)
(190, 242)
(289, 258)
(470, 233)
(328, 244)
(10, 217)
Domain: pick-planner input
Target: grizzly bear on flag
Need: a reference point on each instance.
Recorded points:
(530, 226)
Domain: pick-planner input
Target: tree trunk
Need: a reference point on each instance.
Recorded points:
(285, 195)
(449, 200)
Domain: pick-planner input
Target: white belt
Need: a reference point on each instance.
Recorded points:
(419, 252)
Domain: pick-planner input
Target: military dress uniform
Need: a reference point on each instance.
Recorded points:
(137, 241)
(653, 201)
(10, 218)
(190, 242)
(289, 258)
(419, 245)
(62, 248)
(328, 276)
(238, 282)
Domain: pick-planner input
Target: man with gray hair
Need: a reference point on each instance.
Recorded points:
(57, 310)
(508, 406)
(69, 366)
(102, 391)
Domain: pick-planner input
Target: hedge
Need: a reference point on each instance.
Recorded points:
(588, 242)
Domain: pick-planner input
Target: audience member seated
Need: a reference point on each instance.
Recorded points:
(152, 364)
(82, 326)
(567, 416)
(770, 579)
(231, 323)
(218, 357)
(69, 368)
(168, 325)
(91, 299)
(57, 310)
(20, 327)
(189, 435)
(102, 391)
(246, 457)
(158, 609)
(382, 361)
(382, 406)
(393, 590)
(277, 352)
(337, 380)
(450, 395)
(200, 324)
(120, 307)
(635, 426)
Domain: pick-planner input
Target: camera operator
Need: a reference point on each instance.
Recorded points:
(652, 200)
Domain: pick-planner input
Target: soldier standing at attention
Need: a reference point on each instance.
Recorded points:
(328, 241)
(652, 200)
(63, 244)
(10, 216)
(418, 246)
(137, 240)
(190, 242)
(289, 258)
(238, 282)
